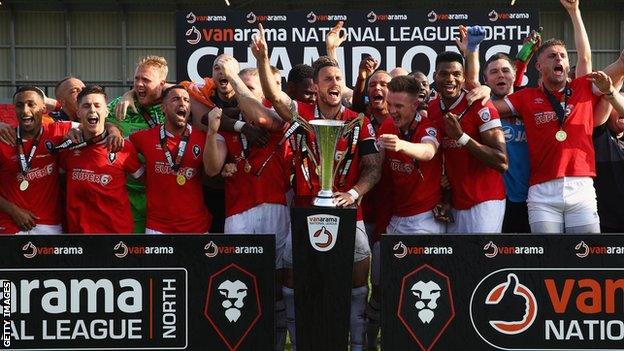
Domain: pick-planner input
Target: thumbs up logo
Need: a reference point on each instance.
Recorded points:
(513, 293)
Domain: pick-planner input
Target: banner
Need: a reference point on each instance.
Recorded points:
(506, 292)
(410, 39)
(137, 292)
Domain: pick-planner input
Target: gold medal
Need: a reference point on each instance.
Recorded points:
(318, 170)
(247, 167)
(181, 179)
(24, 185)
(561, 136)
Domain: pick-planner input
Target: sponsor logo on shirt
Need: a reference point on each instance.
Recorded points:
(85, 175)
(450, 144)
(545, 117)
(164, 168)
(398, 166)
(37, 173)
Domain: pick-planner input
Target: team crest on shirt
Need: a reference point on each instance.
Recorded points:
(538, 101)
(196, 150)
(49, 145)
(112, 157)
(484, 114)
(431, 132)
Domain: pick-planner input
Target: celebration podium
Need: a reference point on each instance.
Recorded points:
(322, 241)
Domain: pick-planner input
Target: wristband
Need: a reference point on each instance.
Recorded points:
(238, 125)
(354, 194)
(463, 139)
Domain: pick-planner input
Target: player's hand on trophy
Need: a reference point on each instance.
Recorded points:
(343, 199)
(126, 101)
(335, 37)
(228, 65)
(368, 65)
(229, 169)
(7, 134)
(391, 142)
(255, 134)
(258, 45)
(452, 126)
(214, 120)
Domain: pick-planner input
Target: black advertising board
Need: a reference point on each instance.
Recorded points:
(398, 38)
(138, 292)
(322, 241)
(503, 292)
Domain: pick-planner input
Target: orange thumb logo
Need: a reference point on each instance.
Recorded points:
(323, 231)
(513, 286)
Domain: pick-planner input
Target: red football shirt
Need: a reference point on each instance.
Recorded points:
(552, 159)
(373, 201)
(244, 190)
(415, 185)
(472, 181)
(97, 199)
(42, 196)
(173, 208)
(306, 190)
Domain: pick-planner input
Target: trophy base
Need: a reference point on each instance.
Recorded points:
(324, 200)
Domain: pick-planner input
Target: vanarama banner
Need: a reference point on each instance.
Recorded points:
(137, 292)
(506, 292)
(410, 39)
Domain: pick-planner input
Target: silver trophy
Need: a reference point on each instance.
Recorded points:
(327, 132)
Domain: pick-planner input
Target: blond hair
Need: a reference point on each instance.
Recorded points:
(157, 62)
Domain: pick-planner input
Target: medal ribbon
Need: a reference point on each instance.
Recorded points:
(69, 145)
(556, 105)
(26, 163)
(148, 118)
(181, 147)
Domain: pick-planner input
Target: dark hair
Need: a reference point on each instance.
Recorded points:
(498, 56)
(405, 84)
(29, 88)
(169, 89)
(299, 73)
(322, 62)
(548, 43)
(449, 56)
(91, 89)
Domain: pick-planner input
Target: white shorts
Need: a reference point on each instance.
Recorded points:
(263, 219)
(568, 200)
(422, 223)
(43, 229)
(361, 249)
(484, 217)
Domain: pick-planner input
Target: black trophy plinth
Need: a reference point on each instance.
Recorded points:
(322, 241)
